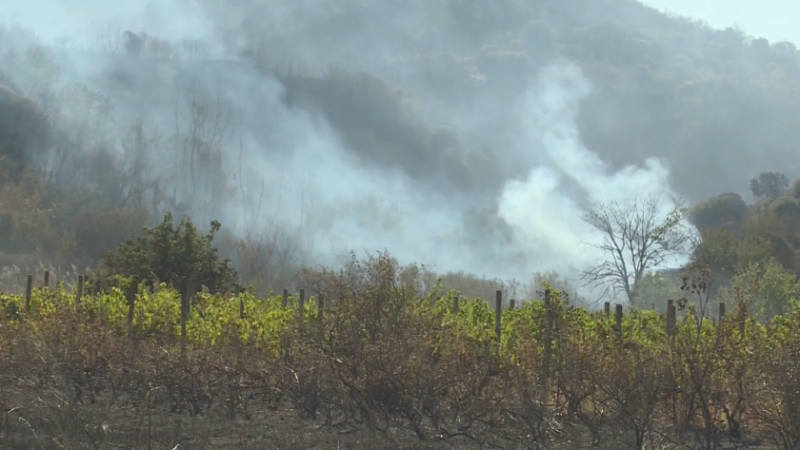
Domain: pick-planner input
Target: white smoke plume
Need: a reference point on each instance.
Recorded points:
(299, 173)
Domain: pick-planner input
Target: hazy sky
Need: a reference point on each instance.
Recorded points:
(775, 20)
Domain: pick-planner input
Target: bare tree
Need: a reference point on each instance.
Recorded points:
(133, 43)
(201, 180)
(138, 176)
(109, 39)
(193, 49)
(636, 236)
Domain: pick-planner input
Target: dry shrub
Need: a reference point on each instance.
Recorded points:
(264, 261)
(390, 365)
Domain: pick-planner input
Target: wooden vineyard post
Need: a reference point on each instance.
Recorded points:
(46, 279)
(718, 322)
(320, 311)
(455, 304)
(301, 306)
(498, 313)
(28, 294)
(285, 298)
(80, 294)
(241, 302)
(671, 318)
(548, 348)
(607, 309)
(131, 308)
(618, 319)
(511, 304)
(185, 301)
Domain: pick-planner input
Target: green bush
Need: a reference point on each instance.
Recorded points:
(171, 254)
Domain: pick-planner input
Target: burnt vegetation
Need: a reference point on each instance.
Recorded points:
(398, 360)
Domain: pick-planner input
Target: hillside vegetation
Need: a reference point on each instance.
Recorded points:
(719, 106)
(114, 162)
(378, 362)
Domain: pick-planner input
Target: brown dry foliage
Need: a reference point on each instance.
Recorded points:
(370, 374)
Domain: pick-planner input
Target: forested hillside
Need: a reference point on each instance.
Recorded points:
(503, 163)
(428, 101)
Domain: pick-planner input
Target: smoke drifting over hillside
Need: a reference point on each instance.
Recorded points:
(497, 191)
(543, 209)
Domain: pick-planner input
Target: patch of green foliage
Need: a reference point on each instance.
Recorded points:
(171, 254)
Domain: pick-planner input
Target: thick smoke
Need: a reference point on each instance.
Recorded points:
(546, 208)
(293, 170)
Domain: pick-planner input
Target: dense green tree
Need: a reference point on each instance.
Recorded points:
(166, 253)
(723, 210)
(24, 133)
(767, 286)
(769, 185)
(782, 231)
(725, 253)
(786, 206)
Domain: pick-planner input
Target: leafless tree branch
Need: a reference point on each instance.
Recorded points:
(636, 236)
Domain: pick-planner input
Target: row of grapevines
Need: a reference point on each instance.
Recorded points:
(215, 318)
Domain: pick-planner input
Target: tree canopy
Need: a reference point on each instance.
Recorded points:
(171, 254)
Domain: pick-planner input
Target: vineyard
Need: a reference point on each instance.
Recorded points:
(377, 363)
